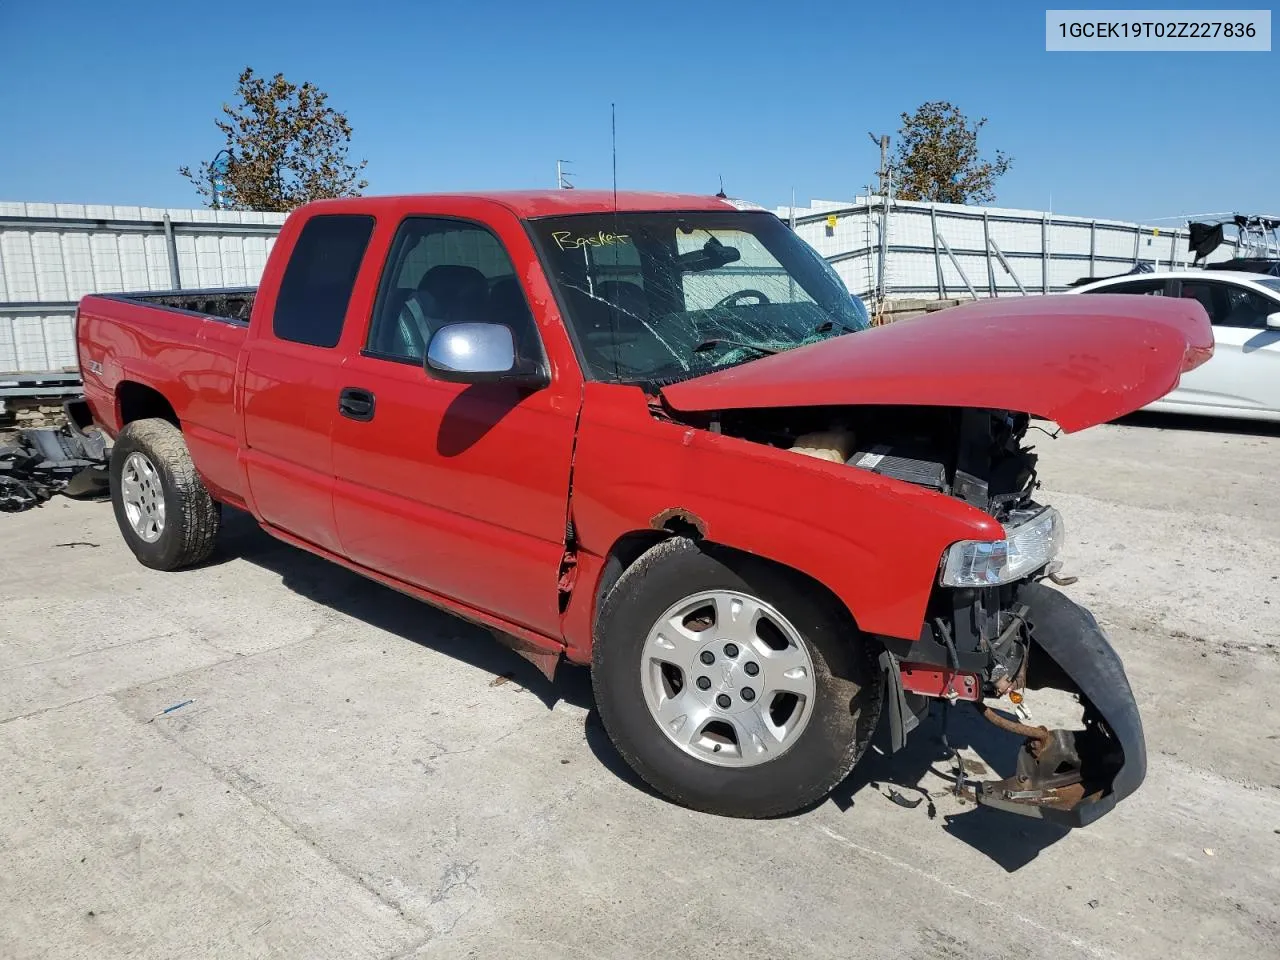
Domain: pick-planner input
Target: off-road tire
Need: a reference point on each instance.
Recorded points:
(191, 515)
(845, 712)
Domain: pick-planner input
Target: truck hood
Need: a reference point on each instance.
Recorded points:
(1076, 360)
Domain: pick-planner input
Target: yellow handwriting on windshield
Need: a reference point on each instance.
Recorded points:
(565, 240)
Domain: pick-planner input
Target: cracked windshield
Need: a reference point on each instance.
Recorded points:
(659, 297)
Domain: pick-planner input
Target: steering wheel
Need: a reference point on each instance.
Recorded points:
(733, 299)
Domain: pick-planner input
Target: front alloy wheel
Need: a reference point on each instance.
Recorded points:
(727, 678)
(730, 684)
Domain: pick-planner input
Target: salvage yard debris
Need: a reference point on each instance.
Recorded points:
(44, 461)
(167, 710)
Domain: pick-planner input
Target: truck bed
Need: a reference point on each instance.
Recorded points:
(230, 303)
(181, 346)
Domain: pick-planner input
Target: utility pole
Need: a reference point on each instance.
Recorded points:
(885, 189)
(883, 142)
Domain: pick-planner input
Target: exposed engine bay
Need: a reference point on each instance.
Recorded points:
(982, 641)
(976, 455)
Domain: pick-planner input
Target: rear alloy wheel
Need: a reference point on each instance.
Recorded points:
(142, 497)
(162, 507)
(732, 685)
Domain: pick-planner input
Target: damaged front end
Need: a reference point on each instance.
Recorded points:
(995, 630)
(934, 403)
(1000, 643)
(1071, 777)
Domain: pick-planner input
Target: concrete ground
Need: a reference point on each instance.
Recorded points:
(353, 777)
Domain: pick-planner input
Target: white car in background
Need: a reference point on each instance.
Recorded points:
(1242, 378)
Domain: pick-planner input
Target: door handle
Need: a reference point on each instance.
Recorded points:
(356, 404)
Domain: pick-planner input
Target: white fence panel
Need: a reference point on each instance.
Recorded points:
(1033, 242)
(52, 254)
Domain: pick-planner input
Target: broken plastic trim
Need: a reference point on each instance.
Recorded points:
(45, 461)
(1073, 777)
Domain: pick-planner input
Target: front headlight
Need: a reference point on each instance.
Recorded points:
(1024, 550)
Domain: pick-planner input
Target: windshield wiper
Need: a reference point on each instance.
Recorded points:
(828, 325)
(714, 342)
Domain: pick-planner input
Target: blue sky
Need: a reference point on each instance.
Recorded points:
(101, 102)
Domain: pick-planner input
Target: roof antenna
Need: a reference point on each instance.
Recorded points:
(722, 195)
(613, 307)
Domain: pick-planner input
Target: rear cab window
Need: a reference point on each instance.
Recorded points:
(319, 278)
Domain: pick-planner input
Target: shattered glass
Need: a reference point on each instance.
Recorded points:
(661, 297)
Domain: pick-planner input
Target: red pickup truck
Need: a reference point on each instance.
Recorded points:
(654, 434)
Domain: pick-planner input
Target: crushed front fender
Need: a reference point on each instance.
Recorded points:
(1073, 777)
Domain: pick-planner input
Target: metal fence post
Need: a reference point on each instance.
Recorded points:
(937, 254)
(872, 283)
(172, 246)
(884, 249)
(1008, 268)
(986, 246)
(955, 262)
(1044, 249)
(1093, 246)
(1137, 239)
(1173, 249)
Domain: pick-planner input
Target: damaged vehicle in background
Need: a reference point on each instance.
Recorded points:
(37, 463)
(653, 434)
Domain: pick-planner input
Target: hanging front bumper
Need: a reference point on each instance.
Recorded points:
(1073, 777)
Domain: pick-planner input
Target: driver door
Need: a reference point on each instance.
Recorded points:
(458, 489)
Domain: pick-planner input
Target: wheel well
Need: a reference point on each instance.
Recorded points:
(631, 546)
(137, 401)
(626, 551)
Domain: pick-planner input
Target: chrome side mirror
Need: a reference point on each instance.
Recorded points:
(479, 353)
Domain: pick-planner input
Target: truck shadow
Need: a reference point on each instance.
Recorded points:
(362, 599)
(473, 413)
(1200, 424)
(920, 772)
(1010, 841)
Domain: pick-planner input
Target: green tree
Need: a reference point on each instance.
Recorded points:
(285, 146)
(937, 157)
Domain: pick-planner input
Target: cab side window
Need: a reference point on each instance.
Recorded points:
(319, 278)
(446, 271)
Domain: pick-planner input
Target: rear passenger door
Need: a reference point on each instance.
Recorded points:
(1244, 372)
(458, 489)
(1153, 287)
(292, 367)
